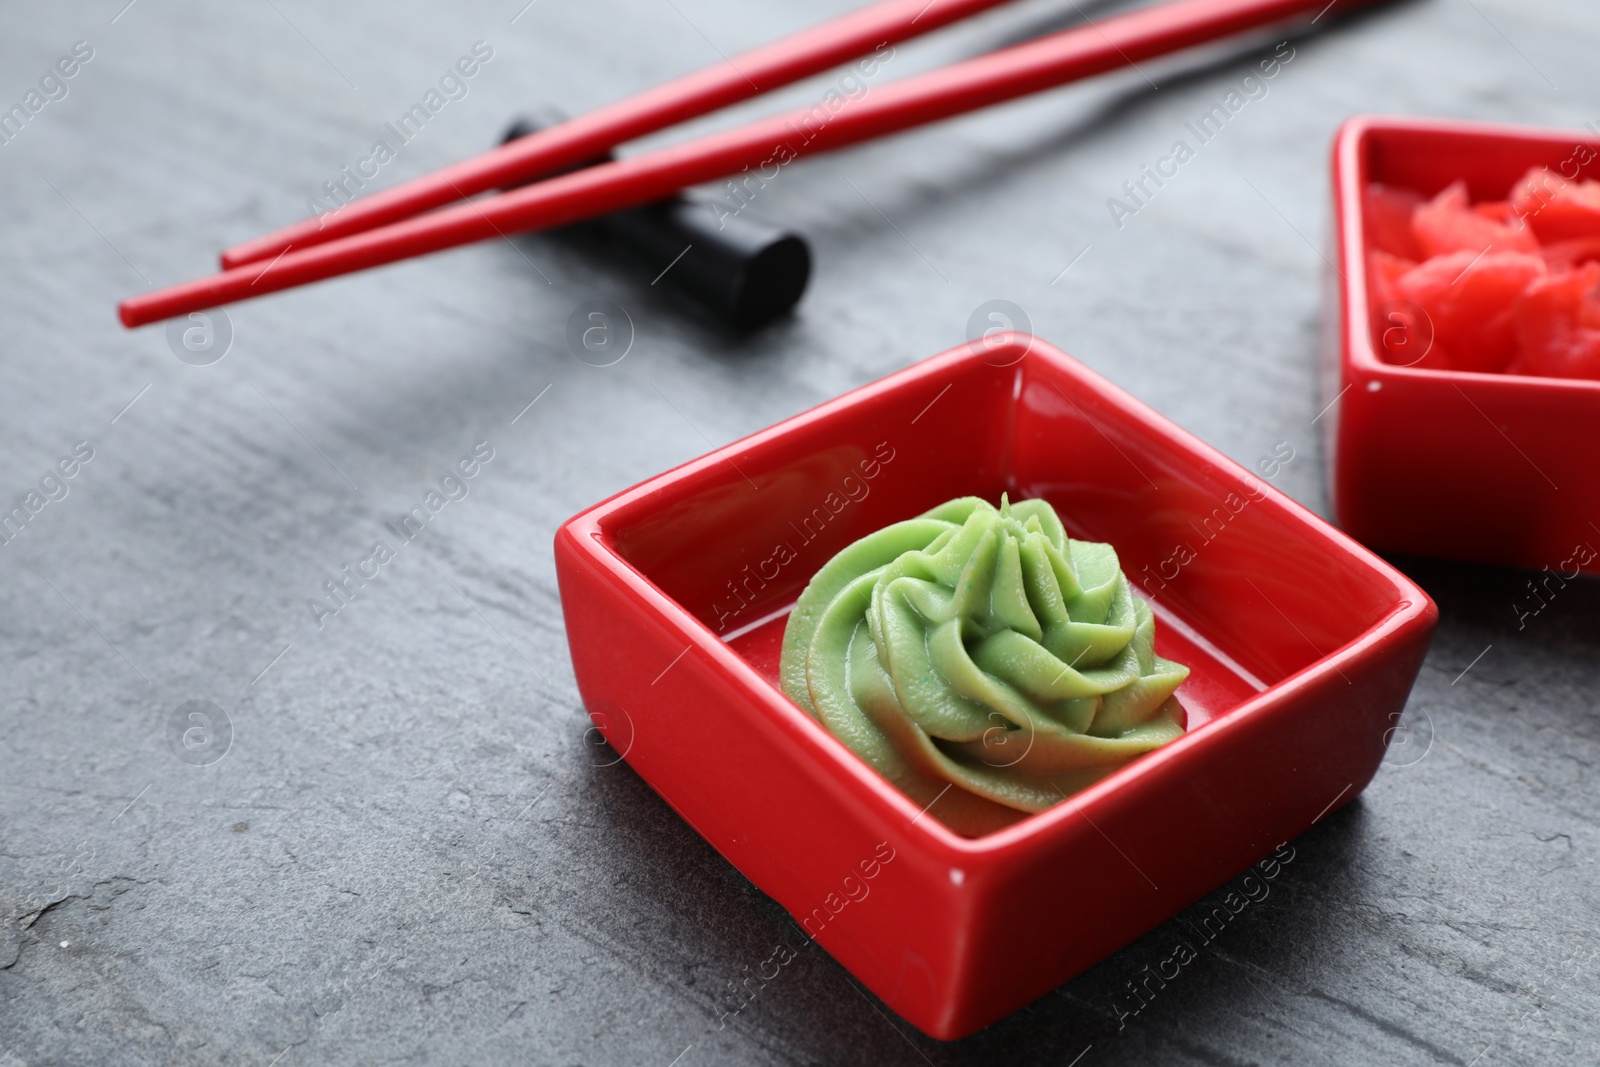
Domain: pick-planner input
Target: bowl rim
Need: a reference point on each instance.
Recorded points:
(590, 533)
(1360, 361)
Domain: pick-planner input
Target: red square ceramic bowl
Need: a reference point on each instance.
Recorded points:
(1491, 468)
(1303, 647)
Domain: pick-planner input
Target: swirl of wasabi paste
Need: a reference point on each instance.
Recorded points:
(984, 649)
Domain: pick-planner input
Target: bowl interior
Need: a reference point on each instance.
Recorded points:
(1247, 588)
(1488, 159)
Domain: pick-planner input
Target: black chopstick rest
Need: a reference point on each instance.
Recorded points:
(745, 271)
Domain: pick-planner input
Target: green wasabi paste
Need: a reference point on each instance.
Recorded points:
(983, 649)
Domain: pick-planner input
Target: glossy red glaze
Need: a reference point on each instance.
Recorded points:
(1490, 468)
(1304, 646)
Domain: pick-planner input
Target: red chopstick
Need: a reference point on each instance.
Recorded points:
(762, 145)
(588, 136)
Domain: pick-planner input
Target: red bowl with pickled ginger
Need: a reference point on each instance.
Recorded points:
(1461, 363)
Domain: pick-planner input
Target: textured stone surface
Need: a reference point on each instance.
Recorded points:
(411, 852)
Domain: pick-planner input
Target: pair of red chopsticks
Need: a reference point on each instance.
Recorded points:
(401, 222)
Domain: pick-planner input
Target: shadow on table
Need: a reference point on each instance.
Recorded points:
(701, 919)
(1244, 972)
(615, 261)
(612, 271)
(964, 172)
(1508, 604)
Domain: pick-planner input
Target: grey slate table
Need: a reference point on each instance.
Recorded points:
(410, 849)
